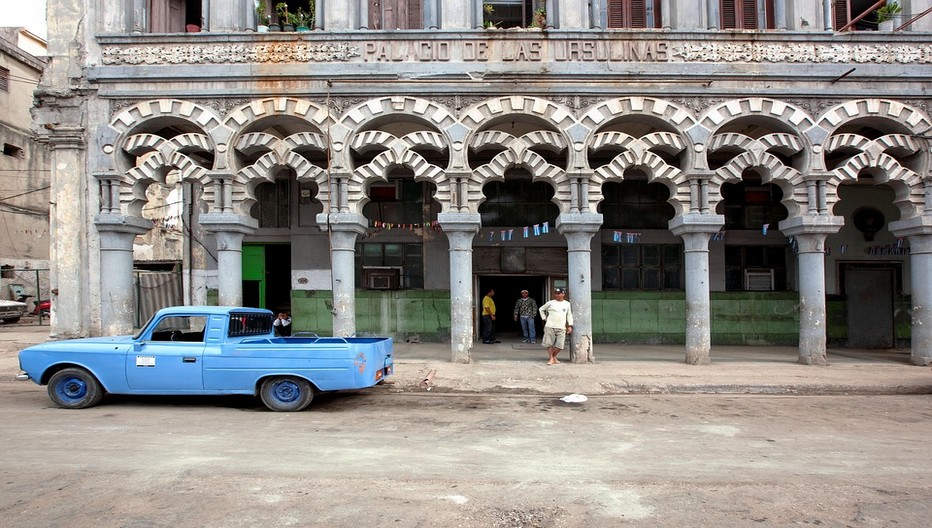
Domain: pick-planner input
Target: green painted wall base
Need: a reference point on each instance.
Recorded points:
(738, 318)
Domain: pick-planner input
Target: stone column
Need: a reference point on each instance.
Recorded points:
(460, 229)
(578, 229)
(810, 232)
(343, 229)
(117, 233)
(919, 232)
(68, 258)
(229, 230)
(696, 229)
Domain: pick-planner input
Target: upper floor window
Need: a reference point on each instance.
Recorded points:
(844, 11)
(747, 14)
(395, 14)
(174, 16)
(633, 14)
(4, 79)
(505, 14)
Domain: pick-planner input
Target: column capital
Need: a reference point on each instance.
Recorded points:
(468, 222)
(918, 225)
(228, 223)
(116, 223)
(347, 222)
(696, 223)
(588, 223)
(812, 224)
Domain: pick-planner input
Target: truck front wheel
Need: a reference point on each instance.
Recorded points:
(75, 388)
(286, 393)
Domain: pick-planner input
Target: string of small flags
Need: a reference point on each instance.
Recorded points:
(629, 237)
(506, 235)
(388, 226)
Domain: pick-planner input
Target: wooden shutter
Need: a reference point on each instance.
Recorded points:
(414, 16)
(616, 16)
(748, 14)
(375, 14)
(739, 14)
(637, 14)
(729, 14)
(840, 13)
(395, 14)
(631, 13)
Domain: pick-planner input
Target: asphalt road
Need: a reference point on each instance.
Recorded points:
(379, 457)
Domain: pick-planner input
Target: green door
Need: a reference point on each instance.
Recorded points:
(254, 276)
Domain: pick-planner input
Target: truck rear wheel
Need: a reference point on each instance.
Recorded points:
(75, 388)
(286, 393)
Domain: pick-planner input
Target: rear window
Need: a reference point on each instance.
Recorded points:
(247, 324)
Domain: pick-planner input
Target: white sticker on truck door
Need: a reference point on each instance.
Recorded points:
(145, 361)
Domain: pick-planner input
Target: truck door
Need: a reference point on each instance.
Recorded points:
(170, 357)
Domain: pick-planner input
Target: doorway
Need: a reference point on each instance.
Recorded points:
(507, 292)
(869, 291)
(267, 276)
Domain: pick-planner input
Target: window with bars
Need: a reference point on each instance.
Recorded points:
(633, 14)
(633, 267)
(747, 14)
(395, 14)
(407, 257)
(505, 14)
(4, 79)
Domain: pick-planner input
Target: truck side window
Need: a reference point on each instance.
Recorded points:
(182, 328)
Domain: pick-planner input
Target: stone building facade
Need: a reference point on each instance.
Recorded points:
(723, 171)
(24, 171)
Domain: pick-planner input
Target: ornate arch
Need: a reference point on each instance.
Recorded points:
(396, 151)
(880, 154)
(757, 153)
(639, 152)
(160, 157)
(278, 153)
(518, 153)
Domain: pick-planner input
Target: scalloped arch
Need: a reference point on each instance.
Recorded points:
(901, 114)
(793, 116)
(601, 114)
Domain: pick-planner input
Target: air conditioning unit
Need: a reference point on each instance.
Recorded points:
(758, 280)
(383, 278)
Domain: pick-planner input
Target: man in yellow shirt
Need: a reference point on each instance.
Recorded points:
(488, 319)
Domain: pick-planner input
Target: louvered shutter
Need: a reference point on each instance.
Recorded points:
(414, 16)
(616, 14)
(748, 13)
(638, 14)
(841, 14)
(729, 14)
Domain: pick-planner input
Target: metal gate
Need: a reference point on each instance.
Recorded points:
(155, 290)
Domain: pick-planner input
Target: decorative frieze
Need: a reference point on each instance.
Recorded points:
(516, 51)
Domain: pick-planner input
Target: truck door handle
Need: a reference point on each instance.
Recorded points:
(189, 360)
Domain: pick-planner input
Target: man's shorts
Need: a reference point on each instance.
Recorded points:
(554, 337)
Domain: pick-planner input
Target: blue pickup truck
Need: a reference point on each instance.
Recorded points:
(207, 350)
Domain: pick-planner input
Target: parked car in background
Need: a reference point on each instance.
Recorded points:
(207, 350)
(11, 311)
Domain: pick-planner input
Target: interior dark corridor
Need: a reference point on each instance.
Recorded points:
(507, 291)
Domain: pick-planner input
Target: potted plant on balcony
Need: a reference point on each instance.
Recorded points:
(262, 18)
(302, 20)
(284, 17)
(487, 11)
(888, 15)
(539, 19)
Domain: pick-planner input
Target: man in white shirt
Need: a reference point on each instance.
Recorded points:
(557, 314)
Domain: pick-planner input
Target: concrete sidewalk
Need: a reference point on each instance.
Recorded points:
(634, 369)
(514, 367)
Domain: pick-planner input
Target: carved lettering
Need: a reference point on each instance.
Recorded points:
(475, 51)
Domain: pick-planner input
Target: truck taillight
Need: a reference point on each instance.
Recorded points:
(378, 375)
